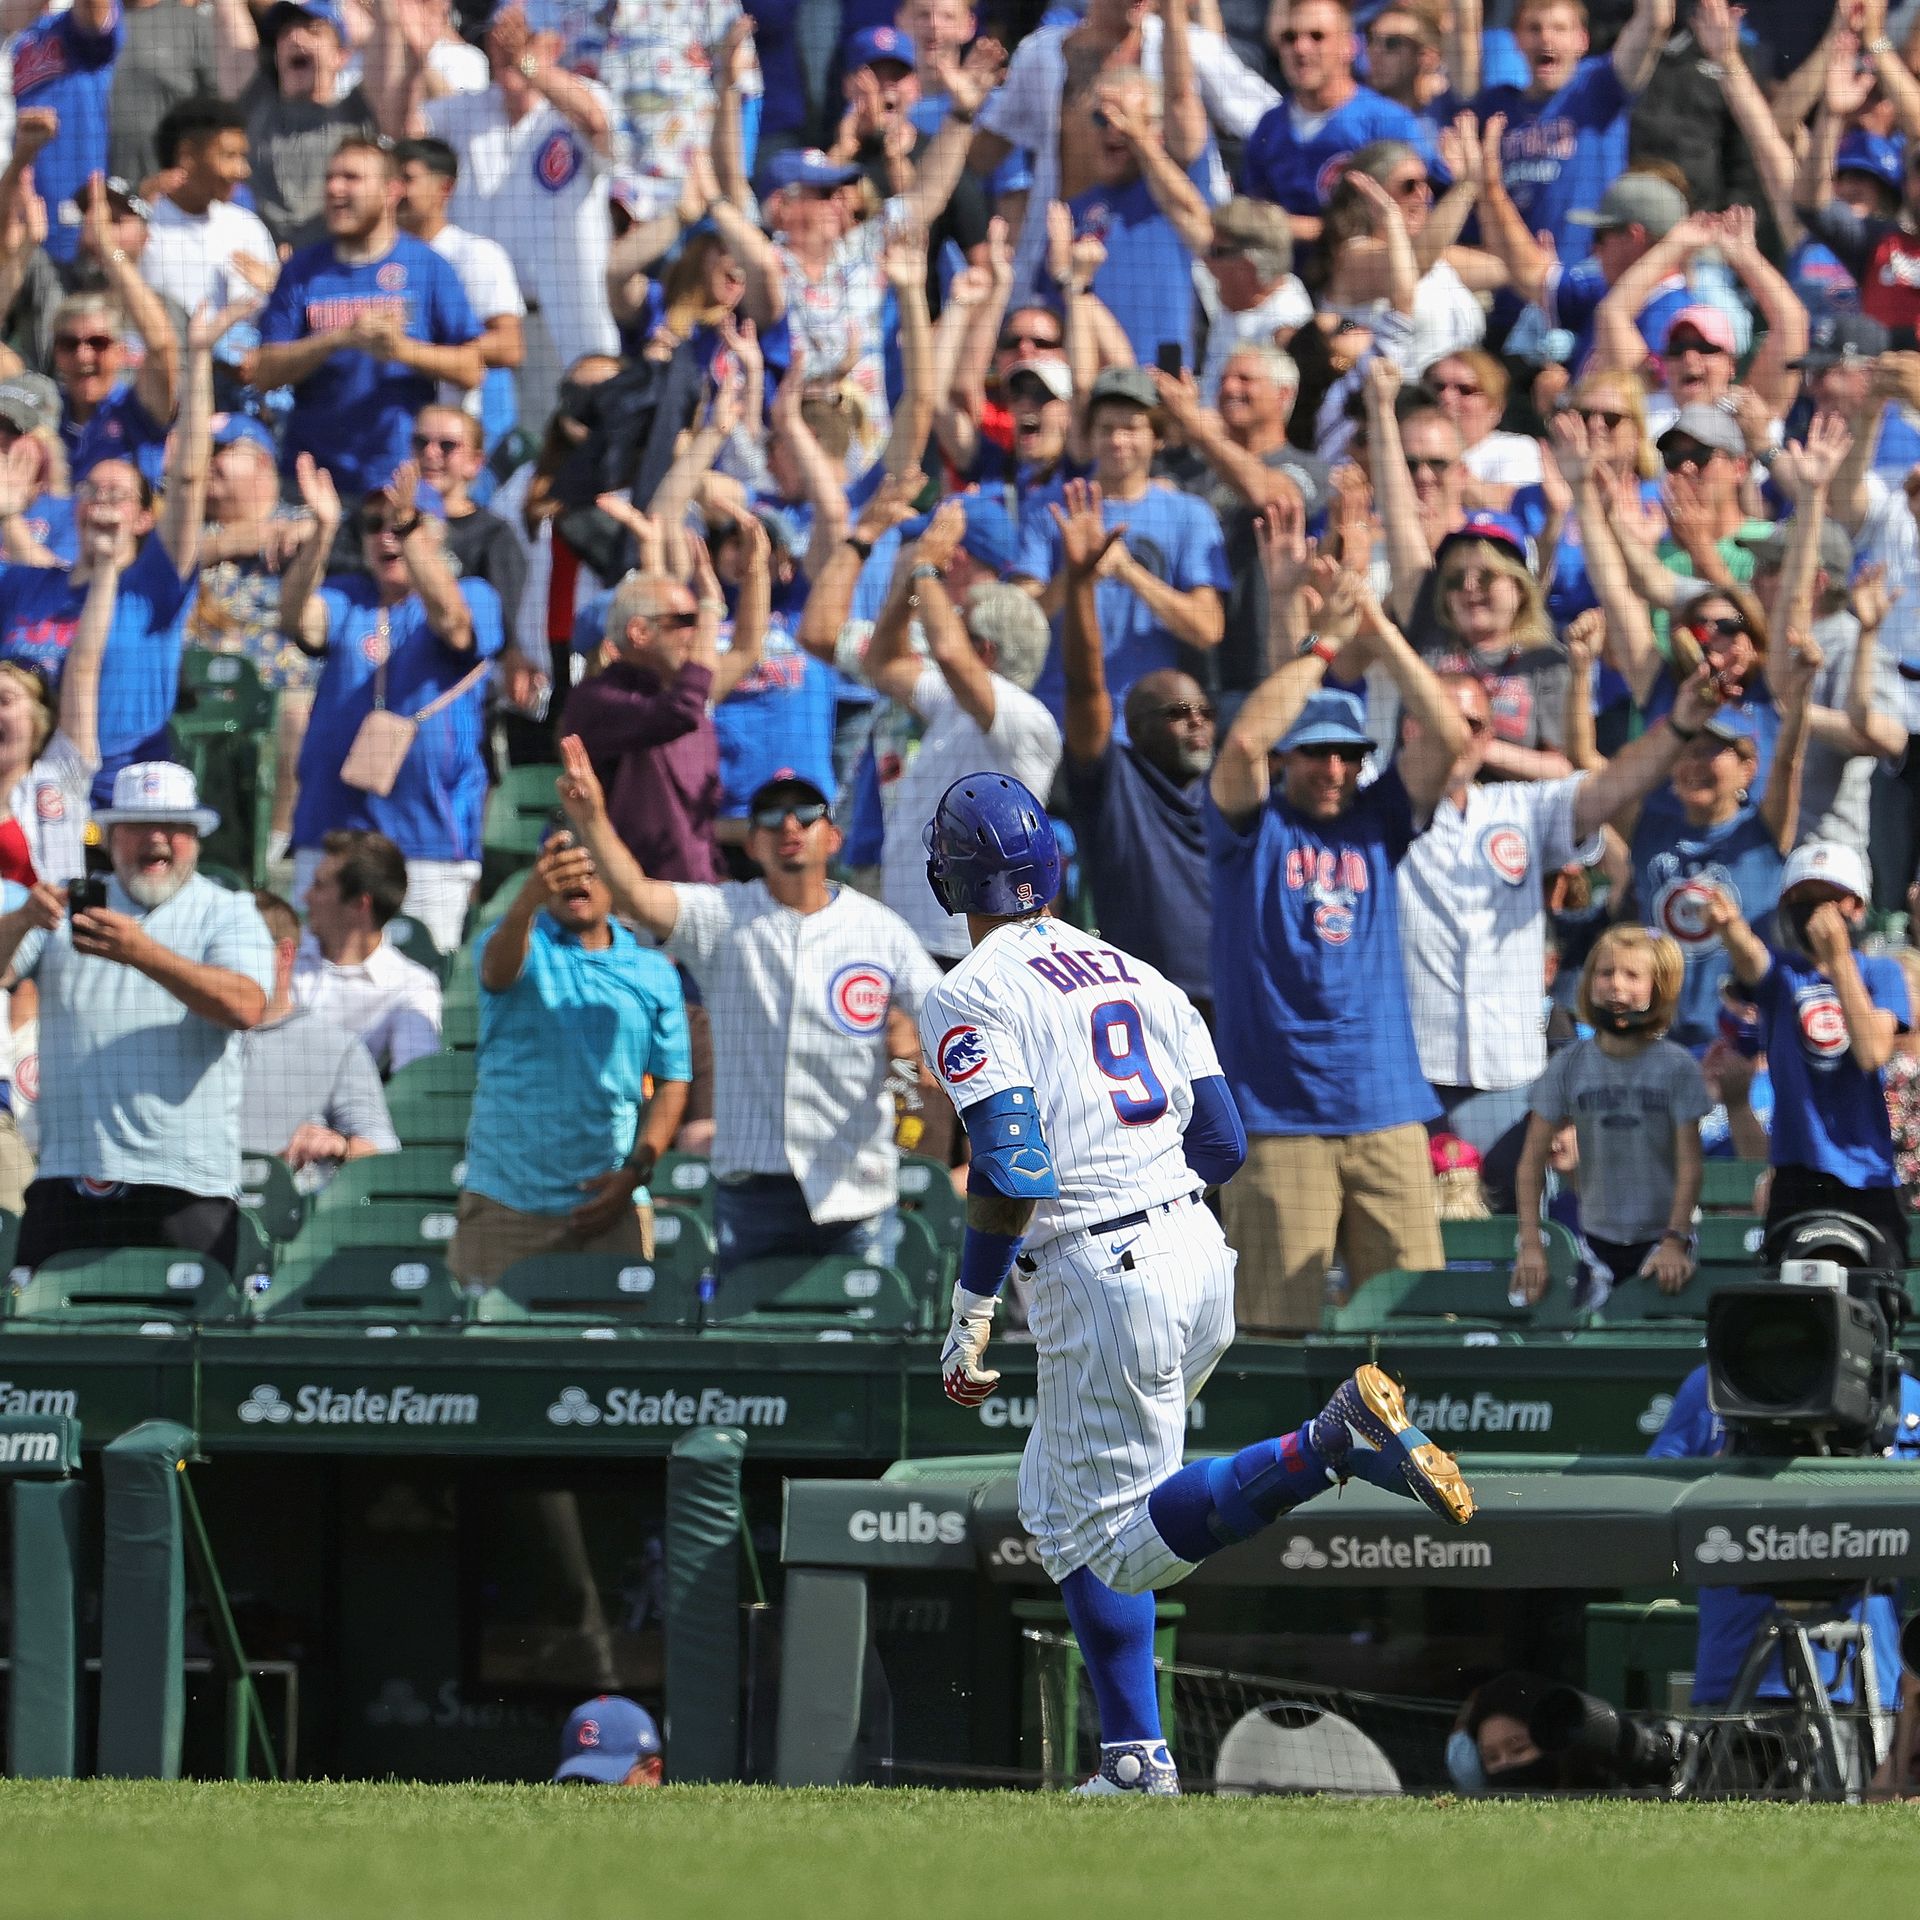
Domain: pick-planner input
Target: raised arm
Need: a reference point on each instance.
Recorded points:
(651, 904)
(1637, 52)
(1460, 47)
(1868, 18)
(236, 47)
(303, 614)
(960, 402)
(1862, 727)
(80, 678)
(185, 510)
(1399, 506)
(504, 957)
(1426, 761)
(905, 264)
(1617, 339)
(819, 477)
(831, 600)
(1184, 113)
(1503, 227)
(158, 382)
(967, 83)
(1780, 806)
(1771, 374)
(1085, 540)
(1806, 471)
(1631, 645)
(1178, 199)
(751, 613)
(1718, 35)
(1621, 784)
(538, 57)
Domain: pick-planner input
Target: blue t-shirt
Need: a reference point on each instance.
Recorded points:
(439, 798)
(1755, 707)
(1828, 1113)
(1176, 537)
(1820, 279)
(353, 413)
(1296, 159)
(58, 64)
(1147, 277)
(140, 670)
(1573, 297)
(563, 1052)
(779, 716)
(50, 521)
(121, 429)
(1675, 868)
(1731, 1616)
(1561, 152)
(1309, 990)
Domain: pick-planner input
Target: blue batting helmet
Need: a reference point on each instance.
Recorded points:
(991, 849)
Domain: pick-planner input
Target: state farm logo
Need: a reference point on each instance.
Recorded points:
(698, 1407)
(1351, 1552)
(1765, 1545)
(917, 1526)
(318, 1406)
(1482, 1414)
(1301, 1553)
(1654, 1415)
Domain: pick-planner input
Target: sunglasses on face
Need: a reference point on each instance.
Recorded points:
(1472, 580)
(675, 621)
(1225, 250)
(422, 442)
(1428, 463)
(1676, 457)
(1293, 34)
(1186, 710)
(73, 342)
(1011, 341)
(804, 813)
(1603, 417)
(1414, 187)
(1347, 756)
(1464, 388)
(1725, 627)
(1675, 348)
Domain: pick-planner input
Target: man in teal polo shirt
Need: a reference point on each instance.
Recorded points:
(575, 1014)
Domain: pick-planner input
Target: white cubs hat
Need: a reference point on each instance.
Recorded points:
(150, 791)
(1830, 862)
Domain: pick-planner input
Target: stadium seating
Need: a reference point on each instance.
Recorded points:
(928, 1263)
(460, 1007)
(429, 1100)
(225, 730)
(1392, 1301)
(1475, 1246)
(364, 1288)
(160, 1287)
(1727, 1185)
(9, 1240)
(430, 1173)
(684, 1178)
(1638, 1301)
(682, 1235)
(1728, 1240)
(408, 936)
(791, 1293)
(518, 810)
(926, 1189)
(592, 1290)
(383, 1222)
(270, 1198)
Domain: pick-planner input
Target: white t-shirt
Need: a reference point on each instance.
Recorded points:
(49, 804)
(540, 191)
(487, 278)
(1504, 460)
(391, 1002)
(188, 257)
(1023, 742)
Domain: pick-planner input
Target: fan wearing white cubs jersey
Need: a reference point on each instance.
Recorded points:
(1097, 1116)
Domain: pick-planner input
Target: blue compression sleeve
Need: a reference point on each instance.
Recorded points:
(985, 1260)
(1215, 1142)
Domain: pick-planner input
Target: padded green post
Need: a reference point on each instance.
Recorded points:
(703, 1605)
(143, 1604)
(823, 1662)
(43, 1690)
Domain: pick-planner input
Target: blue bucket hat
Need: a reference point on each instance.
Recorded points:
(1329, 719)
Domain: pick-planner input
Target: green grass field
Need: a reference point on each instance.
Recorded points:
(147, 1851)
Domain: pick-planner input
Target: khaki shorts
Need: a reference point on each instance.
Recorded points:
(490, 1237)
(1301, 1198)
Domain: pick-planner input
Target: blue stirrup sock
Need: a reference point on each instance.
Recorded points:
(1115, 1632)
(1211, 1504)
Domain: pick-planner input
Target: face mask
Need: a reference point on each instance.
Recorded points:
(1630, 1020)
(1534, 1776)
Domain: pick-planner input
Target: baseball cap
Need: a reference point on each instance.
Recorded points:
(1329, 719)
(1770, 548)
(29, 401)
(1055, 375)
(784, 785)
(1873, 154)
(1732, 725)
(321, 11)
(1450, 1154)
(991, 536)
(1843, 336)
(1712, 324)
(1709, 426)
(1636, 200)
(1503, 529)
(605, 1739)
(1132, 384)
(876, 44)
(804, 167)
(1830, 862)
(228, 428)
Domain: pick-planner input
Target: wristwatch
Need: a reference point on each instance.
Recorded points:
(1321, 649)
(864, 548)
(924, 571)
(1683, 734)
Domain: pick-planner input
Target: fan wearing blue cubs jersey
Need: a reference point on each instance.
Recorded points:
(1097, 1116)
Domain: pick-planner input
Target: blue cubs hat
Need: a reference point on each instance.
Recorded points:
(1503, 529)
(991, 536)
(1330, 719)
(804, 167)
(605, 1739)
(231, 427)
(875, 44)
(324, 12)
(1873, 154)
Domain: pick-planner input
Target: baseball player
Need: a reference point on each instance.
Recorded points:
(1097, 1115)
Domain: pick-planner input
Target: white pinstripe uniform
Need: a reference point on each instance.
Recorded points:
(1129, 1321)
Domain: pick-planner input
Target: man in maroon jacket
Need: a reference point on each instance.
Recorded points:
(644, 720)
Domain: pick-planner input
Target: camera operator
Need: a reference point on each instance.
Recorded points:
(1731, 1616)
(1828, 1020)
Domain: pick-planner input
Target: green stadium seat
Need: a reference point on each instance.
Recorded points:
(926, 1189)
(225, 730)
(1727, 1185)
(686, 1179)
(460, 1009)
(518, 810)
(429, 1100)
(929, 1267)
(1637, 1301)
(1400, 1302)
(593, 1290)
(1481, 1246)
(158, 1286)
(223, 689)
(370, 1289)
(406, 935)
(430, 1173)
(681, 1235)
(1727, 1240)
(383, 1222)
(269, 1197)
(793, 1293)
(9, 1240)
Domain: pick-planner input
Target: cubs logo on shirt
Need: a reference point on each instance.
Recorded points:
(1333, 922)
(392, 278)
(49, 802)
(1330, 176)
(1823, 1025)
(1680, 907)
(961, 1054)
(557, 161)
(858, 996)
(99, 1189)
(1505, 850)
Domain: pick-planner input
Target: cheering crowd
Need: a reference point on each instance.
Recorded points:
(1431, 497)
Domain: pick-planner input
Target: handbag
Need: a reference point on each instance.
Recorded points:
(384, 739)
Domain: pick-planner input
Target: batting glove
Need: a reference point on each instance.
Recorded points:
(966, 1381)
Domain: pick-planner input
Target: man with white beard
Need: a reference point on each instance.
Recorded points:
(147, 979)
